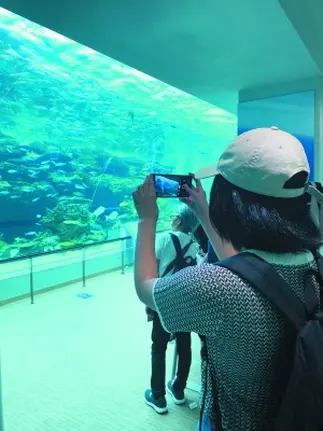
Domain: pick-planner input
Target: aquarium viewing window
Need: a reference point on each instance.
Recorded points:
(79, 131)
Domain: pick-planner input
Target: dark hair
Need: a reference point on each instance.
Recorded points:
(188, 221)
(201, 238)
(252, 221)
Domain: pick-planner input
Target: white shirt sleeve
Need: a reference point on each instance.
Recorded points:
(161, 240)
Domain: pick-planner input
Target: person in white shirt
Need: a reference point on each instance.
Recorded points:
(183, 225)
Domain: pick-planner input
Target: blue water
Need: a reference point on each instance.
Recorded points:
(78, 133)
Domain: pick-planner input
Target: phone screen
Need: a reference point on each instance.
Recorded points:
(171, 186)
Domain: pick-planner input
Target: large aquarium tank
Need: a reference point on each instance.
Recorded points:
(78, 133)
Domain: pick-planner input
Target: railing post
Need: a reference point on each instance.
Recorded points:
(83, 267)
(31, 280)
(122, 256)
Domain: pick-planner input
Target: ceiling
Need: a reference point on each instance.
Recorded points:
(207, 48)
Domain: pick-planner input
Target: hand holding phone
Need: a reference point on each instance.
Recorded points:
(197, 201)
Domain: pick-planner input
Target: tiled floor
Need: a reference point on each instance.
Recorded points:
(72, 364)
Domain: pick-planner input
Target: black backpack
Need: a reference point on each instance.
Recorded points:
(301, 407)
(317, 208)
(180, 260)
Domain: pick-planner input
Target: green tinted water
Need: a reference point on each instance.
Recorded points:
(79, 131)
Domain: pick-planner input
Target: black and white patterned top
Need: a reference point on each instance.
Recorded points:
(248, 341)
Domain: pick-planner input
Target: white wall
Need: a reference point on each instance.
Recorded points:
(56, 270)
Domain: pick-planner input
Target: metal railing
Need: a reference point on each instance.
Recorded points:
(83, 248)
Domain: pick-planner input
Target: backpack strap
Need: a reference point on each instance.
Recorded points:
(319, 261)
(262, 276)
(319, 187)
(316, 208)
(319, 276)
(178, 262)
(320, 207)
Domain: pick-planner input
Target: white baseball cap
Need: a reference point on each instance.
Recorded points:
(262, 161)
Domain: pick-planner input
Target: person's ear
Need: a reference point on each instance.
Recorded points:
(176, 222)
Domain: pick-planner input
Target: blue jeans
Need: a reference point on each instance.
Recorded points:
(206, 425)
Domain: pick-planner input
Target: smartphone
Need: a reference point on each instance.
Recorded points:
(171, 186)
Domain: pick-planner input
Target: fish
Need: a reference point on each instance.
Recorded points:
(4, 192)
(14, 252)
(124, 204)
(26, 189)
(35, 200)
(30, 233)
(13, 171)
(111, 209)
(99, 211)
(38, 216)
(80, 186)
(59, 164)
(113, 215)
(72, 222)
(33, 174)
(14, 197)
(58, 157)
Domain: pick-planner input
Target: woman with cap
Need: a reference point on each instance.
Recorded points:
(259, 202)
